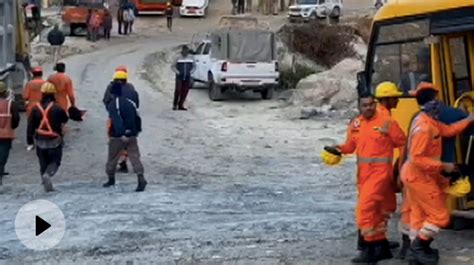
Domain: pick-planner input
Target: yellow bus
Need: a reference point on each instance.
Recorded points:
(413, 41)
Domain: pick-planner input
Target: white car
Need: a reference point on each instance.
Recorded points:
(237, 60)
(194, 8)
(314, 9)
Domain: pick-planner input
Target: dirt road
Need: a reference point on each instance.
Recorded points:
(235, 182)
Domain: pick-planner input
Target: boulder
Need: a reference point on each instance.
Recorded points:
(335, 87)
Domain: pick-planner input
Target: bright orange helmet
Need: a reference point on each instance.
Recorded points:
(122, 68)
(37, 70)
(422, 87)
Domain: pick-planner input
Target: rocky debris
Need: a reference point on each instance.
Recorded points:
(335, 87)
(290, 60)
(310, 112)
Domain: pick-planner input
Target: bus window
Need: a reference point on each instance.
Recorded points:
(405, 64)
(460, 65)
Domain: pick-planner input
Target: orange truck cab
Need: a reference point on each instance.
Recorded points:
(74, 14)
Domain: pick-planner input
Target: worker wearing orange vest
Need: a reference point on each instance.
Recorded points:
(65, 97)
(46, 122)
(372, 137)
(422, 176)
(9, 121)
(32, 95)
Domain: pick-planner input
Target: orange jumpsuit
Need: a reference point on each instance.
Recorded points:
(32, 93)
(65, 94)
(390, 200)
(373, 141)
(421, 174)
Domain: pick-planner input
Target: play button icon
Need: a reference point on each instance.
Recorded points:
(40, 225)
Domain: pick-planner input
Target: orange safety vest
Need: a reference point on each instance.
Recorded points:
(32, 93)
(6, 131)
(45, 128)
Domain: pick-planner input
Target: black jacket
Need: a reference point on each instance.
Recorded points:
(56, 37)
(128, 91)
(124, 117)
(57, 117)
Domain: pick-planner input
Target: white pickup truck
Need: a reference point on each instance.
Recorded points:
(243, 59)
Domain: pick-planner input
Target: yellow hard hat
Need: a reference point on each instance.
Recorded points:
(387, 90)
(48, 88)
(120, 75)
(460, 188)
(331, 156)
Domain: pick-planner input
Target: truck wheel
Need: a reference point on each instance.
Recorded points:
(268, 93)
(215, 92)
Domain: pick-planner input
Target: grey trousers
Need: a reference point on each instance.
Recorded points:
(116, 148)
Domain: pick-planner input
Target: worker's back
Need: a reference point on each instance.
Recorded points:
(63, 84)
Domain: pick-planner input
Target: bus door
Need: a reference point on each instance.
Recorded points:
(458, 82)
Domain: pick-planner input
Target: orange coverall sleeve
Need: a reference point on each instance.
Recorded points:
(453, 129)
(397, 135)
(420, 142)
(350, 145)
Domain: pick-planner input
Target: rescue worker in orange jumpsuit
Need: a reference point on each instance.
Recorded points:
(65, 96)
(422, 174)
(32, 95)
(372, 137)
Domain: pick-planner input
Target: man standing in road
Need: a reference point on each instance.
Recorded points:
(45, 124)
(9, 121)
(65, 97)
(124, 130)
(241, 6)
(184, 66)
(169, 16)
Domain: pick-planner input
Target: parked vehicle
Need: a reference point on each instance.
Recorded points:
(238, 59)
(195, 8)
(150, 6)
(75, 12)
(315, 9)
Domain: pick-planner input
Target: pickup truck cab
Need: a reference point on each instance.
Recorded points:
(224, 68)
(313, 9)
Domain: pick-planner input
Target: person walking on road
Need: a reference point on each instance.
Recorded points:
(128, 91)
(184, 66)
(9, 121)
(169, 16)
(65, 96)
(124, 131)
(107, 25)
(423, 174)
(45, 125)
(373, 137)
(241, 6)
(56, 39)
(32, 95)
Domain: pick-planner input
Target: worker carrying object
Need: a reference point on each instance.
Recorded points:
(128, 91)
(422, 177)
(372, 137)
(125, 128)
(65, 96)
(32, 95)
(45, 124)
(9, 121)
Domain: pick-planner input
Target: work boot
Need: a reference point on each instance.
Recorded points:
(109, 183)
(418, 252)
(182, 108)
(393, 244)
(382, 250)
(48, 185)
(123, 168)
(141, 183)
(405, 245)
(360, 240)
(366, 255)
(175, 107)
